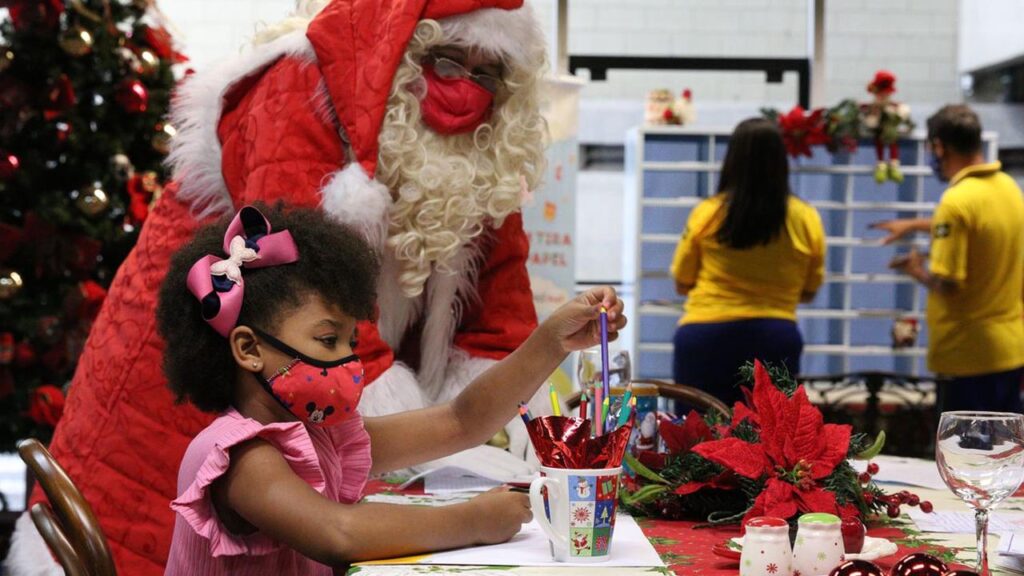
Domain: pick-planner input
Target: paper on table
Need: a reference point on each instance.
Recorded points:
(630, 548)
(452, 479)
(999, 521)
(1011, 544)
(909, 471)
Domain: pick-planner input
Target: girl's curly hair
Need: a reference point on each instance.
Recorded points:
(335, 263)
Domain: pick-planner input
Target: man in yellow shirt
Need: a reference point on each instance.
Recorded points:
(975, 277)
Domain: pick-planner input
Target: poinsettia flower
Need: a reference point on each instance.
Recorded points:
(801, 130)
(795, 451)
(680, 438)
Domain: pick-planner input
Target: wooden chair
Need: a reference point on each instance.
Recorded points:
(69, 528)
(692, 396)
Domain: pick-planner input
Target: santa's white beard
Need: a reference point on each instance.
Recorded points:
(447, 190)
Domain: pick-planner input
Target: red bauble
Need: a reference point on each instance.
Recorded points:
(133, 96)
(919, 564)
(9, 165)
(857, 568)
(162, 43)
(46, 405)
(24, 355)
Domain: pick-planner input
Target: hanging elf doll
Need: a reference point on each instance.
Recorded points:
(886, 121)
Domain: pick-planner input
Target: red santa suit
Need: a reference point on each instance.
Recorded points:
(269, 126)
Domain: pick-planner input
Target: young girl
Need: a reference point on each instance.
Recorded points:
(260, 322)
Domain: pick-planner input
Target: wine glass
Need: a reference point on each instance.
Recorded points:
(980, 456)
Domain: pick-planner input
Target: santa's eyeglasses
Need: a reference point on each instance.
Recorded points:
(448, 68)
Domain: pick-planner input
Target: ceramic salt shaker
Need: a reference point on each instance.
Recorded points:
(766, 550)
(819, 544)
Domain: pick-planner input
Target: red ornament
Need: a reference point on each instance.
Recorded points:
(9, 165)
(24, 355)
(27, 13)
(919, 564)
(872, 468)
(864, 477)
(857, 568)
(883, 84)
(46, 405)
(133, 96)
(926, 507)
(60, 98)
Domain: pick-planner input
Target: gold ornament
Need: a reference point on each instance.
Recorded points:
(93, 201)
(148, 62)
(10, 284)
(6, 58)
(76, 41)
(121, 167)
(165, 133)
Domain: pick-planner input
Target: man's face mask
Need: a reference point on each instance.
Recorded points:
(454, 104)
(318, 393)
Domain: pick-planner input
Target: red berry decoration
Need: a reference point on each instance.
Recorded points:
(926, 507)
(133, 96)
(919, 564)
(864, 477)
(961, 573)
(893, 511)
(869, 498)
(872, 468)
(914, 500)
(857, 568)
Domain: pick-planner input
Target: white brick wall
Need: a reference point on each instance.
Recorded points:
(916, 39)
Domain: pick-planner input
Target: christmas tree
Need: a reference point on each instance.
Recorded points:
(84, 88)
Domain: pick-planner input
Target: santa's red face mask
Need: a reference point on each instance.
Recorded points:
(454, 105)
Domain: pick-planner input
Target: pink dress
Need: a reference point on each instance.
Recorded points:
(334, 461)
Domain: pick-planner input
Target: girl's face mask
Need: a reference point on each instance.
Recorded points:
(318, 393)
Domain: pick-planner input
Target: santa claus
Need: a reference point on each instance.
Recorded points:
(416, 121)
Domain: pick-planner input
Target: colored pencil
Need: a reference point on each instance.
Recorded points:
(626, 404)
(555, 408)
(583, 405)
(524, 413)
(605, 378)
(598, 404)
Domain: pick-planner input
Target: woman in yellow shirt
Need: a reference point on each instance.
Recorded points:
(747, 257)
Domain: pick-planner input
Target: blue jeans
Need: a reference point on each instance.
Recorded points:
(996, 392)
(709, 356)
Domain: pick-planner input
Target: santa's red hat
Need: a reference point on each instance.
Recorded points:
(883, 84)
(359, 45)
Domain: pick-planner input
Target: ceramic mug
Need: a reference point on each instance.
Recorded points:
(577, 512)
(819, 544)
(766, 550)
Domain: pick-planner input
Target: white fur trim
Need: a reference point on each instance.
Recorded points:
(352, 198)
(447, 294)
(29, 555)
(511, 34)
(463, 369)
(195, 157)
(398, 312)
(396, 390)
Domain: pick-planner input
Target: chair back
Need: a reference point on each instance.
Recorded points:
(67, 524)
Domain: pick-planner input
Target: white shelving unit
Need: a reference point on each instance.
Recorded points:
(847, 327)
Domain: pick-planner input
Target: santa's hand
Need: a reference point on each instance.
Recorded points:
(576, 325)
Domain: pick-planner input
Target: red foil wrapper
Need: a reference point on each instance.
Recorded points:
(563, 442)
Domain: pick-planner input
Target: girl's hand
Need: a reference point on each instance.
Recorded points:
(500, 514)
(576, 325)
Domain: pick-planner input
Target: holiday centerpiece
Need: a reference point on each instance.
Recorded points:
(775, 457)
